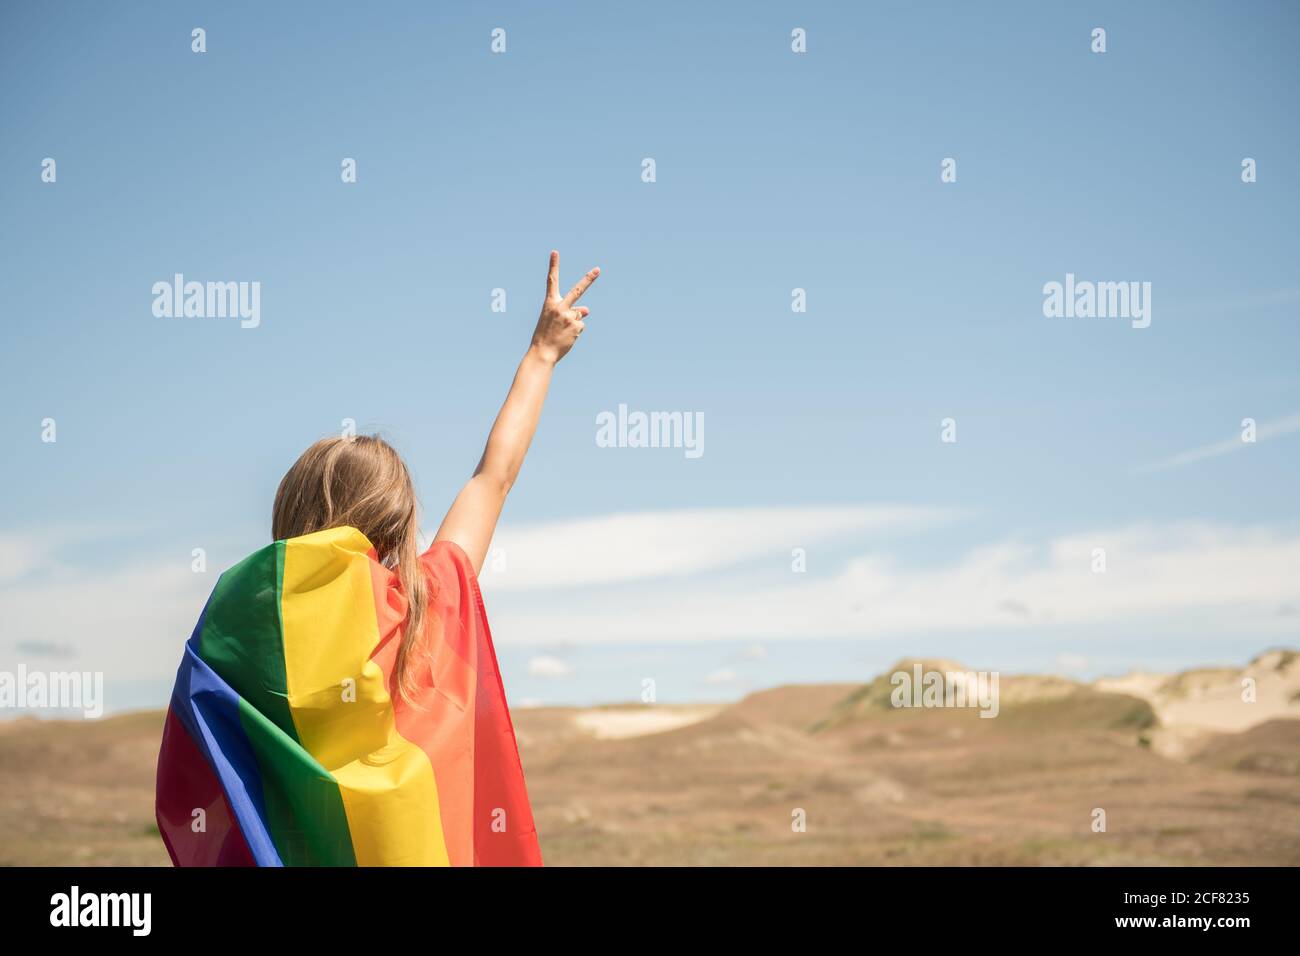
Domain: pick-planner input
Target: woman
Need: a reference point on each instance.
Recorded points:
(339, 702)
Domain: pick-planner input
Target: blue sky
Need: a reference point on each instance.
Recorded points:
(775, 170)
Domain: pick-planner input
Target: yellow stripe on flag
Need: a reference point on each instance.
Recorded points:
(330, 630)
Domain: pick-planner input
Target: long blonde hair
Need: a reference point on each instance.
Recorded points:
(363, 483)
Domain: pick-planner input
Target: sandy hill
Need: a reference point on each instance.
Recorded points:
(1222, 699)
(665, 784)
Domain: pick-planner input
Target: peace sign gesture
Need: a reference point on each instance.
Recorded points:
(561, 321)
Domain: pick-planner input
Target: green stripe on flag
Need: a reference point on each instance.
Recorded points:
(243, 641)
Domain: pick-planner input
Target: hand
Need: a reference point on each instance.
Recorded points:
(561, 321)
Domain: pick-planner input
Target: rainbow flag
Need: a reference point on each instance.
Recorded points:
(285, 744)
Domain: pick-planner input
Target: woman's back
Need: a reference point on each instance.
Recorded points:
(285, 732)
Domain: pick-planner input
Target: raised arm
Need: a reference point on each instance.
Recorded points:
(473, 515)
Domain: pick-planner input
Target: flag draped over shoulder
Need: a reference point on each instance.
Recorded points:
(286, 745)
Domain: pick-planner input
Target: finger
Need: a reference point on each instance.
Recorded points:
(553, 276)
(576, 292)
(580, 327)
(580, 313)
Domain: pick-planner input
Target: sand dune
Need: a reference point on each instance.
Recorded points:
(728, 784)
(1222, 699)
(612, 723)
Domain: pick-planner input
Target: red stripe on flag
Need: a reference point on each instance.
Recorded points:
(187, 784)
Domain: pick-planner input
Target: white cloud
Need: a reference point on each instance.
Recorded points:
(656, 544)
(22, 554)
(1166, 576)
(1070, 663)
(544, 666)
(723, 676)
(131, 620)
(1263, 431)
